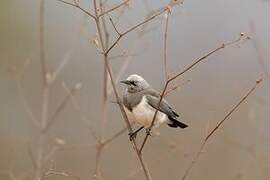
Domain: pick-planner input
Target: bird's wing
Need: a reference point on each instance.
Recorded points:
(164, 107)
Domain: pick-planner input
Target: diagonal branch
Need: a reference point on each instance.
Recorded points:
(125, 2)
(78, 7)
(235, 107)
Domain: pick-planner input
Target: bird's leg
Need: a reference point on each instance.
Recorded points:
(134, 134)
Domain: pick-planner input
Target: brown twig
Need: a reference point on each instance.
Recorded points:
(211, 133)
(121, 35)
(184, 71)
(116, 30)
(116, 135)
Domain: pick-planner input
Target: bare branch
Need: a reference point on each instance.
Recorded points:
(115, 27)
(44, 68)
(240, 38)
(116, 135)
(146, 171)
(45, 95)
(176, 87)
(167, 15)
(235, 107)
(125, 2)
(79, 7)
(133, 28)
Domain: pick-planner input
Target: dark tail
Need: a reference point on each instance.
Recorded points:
(175, 123)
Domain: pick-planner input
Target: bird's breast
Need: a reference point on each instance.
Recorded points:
(144, 114)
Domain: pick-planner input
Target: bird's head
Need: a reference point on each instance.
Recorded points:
(135, 83)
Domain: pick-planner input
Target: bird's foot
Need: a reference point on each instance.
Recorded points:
(132, 136)
(148, 131)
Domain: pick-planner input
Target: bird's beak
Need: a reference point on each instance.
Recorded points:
(125, 82)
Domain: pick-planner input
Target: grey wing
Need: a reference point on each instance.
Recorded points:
(164, 106)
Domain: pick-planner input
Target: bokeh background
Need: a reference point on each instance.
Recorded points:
(240, 148)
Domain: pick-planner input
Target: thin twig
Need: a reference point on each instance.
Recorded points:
(79, 7)
(184, 71)
(195, 159)
(116, 135)
(114, 8)
(116, 30)
(176, 87)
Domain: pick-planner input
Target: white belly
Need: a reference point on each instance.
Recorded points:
(144, 113)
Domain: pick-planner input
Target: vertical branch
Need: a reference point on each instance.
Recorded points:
(105, 73)
(104, 43)
(145, 169)
(167, 15)
(45, 95)
(41, 41)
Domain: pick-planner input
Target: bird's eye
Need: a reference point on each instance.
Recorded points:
(133, 83)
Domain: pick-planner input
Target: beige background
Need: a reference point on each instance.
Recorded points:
(240, 148)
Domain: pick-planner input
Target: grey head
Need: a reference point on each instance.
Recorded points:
(135, 83)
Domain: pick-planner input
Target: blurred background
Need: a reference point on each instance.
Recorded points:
(238, 150)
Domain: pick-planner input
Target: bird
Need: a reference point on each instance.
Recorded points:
(141, 101)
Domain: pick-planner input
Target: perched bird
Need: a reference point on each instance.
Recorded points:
(141, 102)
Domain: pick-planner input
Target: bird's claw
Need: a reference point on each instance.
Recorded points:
(132, 136)
(148, 132)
